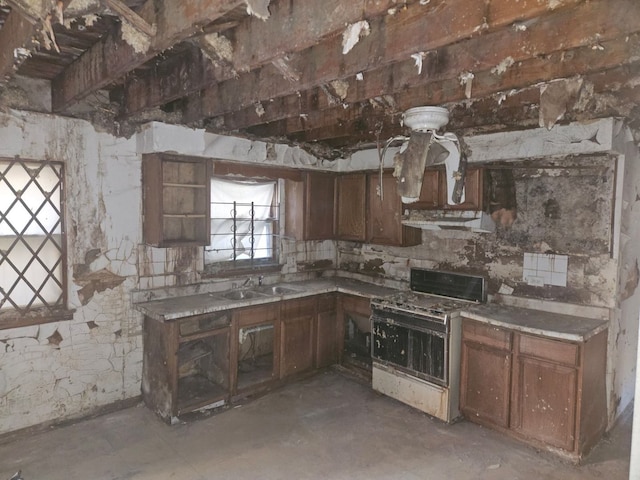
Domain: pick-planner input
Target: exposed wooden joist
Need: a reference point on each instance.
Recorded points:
(112, 57)
(392, 37)
(583, 60)
(130, 16)
(593, 23)
(18, 34)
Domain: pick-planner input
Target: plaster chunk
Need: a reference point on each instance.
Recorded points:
(258, 8)
(502, 67)
(352, 34)
(219, 45)
(139, 41)
(555, 98)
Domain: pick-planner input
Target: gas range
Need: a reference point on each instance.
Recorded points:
(434, 294)
(416, 335)
(434, 307)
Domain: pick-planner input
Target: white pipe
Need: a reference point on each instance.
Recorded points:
(634, 460)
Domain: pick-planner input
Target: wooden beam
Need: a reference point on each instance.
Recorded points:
(586, 60)
(18, 34)
(592, 23)
(130, 16)
(16, 43)
(392, 36)
(112, 57)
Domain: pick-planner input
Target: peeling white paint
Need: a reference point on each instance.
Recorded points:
(466, 79)
(220, 45)
(260, 110)
(352, 34)
(418, 58)
(258, 8)
(502, 66)
(341, 88)
(139, 41)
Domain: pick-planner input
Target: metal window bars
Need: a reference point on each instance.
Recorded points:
(242, 233)
(31, 228)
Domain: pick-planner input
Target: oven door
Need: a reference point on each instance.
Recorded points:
(414, 344)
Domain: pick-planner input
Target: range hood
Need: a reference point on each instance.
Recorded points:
(475, 221)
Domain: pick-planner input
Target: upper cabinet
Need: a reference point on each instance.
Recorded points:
(433, 194)
(351, 207)
(384, 217)
(369, 210)
(309, 212)
(176, 200)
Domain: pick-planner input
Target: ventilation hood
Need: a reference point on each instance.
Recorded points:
(474, 221)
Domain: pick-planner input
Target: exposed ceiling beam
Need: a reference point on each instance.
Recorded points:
(122, 9)
(616, 54)
(19, 32)
(595, 22)
(112, 57)
(393, 36)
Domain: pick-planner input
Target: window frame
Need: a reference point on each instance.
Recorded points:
(251, 263)
(14, 317)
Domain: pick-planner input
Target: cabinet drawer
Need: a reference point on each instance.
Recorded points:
(193, 326)
(486, 335)
(547, 349)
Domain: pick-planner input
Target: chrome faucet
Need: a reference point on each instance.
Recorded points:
(260, 278)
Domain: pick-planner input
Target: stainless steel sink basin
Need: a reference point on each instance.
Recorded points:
(275, 290)
(242, 294)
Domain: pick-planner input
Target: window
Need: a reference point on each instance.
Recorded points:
(31, 236)
(244, 222)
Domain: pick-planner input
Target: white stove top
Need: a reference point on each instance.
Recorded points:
(422, 304)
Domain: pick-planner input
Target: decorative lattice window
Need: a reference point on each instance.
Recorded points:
(31, 236)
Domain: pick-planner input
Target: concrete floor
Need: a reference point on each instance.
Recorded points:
(325, 427)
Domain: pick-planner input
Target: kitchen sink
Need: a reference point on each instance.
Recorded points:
(276, 290)
(242, 294)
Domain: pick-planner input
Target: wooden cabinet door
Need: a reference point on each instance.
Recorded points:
(429, 193)
(485, 382)
(384, 225)
(544, 401)
(297, 339)
(473, 191)
(255, 347)
(319, 206)
(326, 331)
(351, 207)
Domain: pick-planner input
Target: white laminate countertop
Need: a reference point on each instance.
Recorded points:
(174, 308)
(537, 322)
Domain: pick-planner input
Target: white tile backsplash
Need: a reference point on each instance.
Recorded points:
(551, 269)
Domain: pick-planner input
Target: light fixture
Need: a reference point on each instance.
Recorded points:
(425, 147)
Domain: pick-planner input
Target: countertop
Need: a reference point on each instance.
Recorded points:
(537, 322)
(174, 308)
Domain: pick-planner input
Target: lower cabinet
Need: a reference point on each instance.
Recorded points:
(255, 355)
(297, 336)
(485, 374)
(327, 332)
(208, 361)
(545, 391)
(186, 364)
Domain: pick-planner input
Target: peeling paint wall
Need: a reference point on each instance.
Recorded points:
(69, 368)
(583, 199)
(623, 333)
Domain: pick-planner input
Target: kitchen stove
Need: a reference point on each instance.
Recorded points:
(416, 340)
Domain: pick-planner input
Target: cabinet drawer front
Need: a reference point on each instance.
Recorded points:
(486, 335)
(547, 349)
(194, 326)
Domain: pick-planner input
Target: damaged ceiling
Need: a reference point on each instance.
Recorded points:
(332, 76)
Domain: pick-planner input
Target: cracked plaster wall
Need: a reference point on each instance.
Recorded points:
(70, 368)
